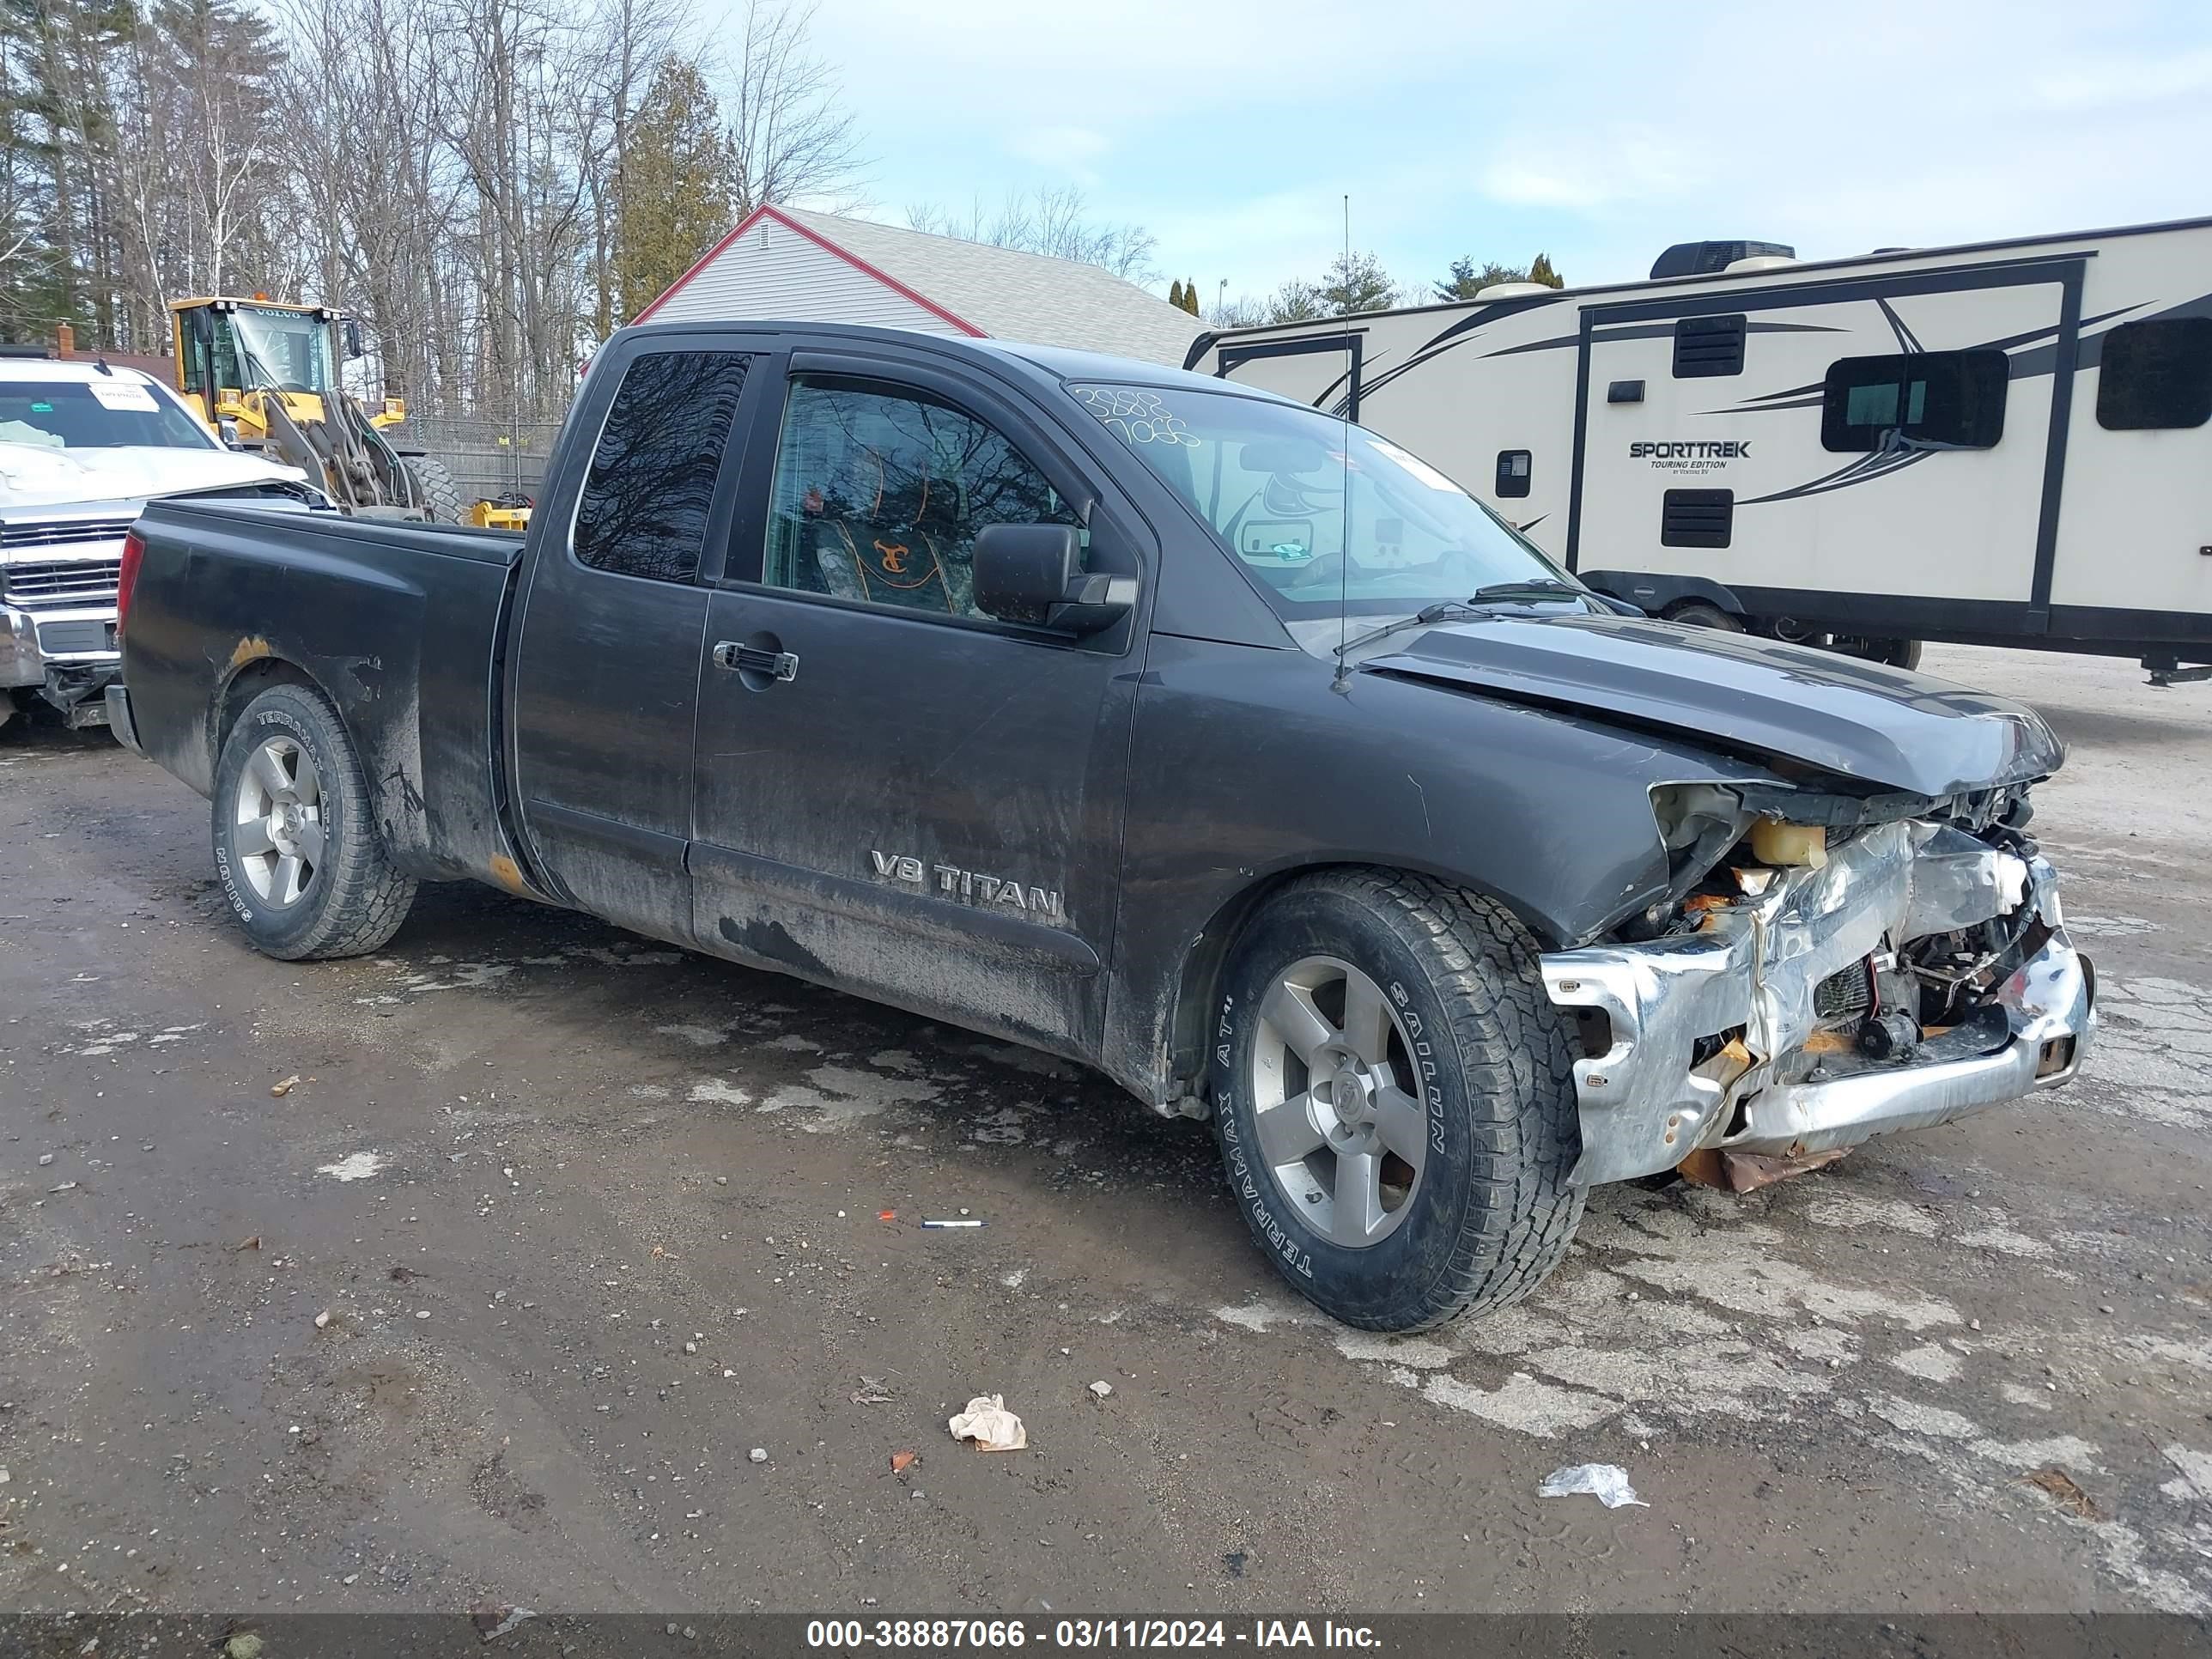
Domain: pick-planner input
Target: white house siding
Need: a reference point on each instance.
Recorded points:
(772, 271)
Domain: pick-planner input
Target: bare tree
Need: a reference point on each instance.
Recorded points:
(463, 174)
(634, 38)
(1242, 311)
(1054, 221)
(792, 139)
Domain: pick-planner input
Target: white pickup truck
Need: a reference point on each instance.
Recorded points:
(83, 447)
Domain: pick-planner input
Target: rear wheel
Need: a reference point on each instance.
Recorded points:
(1394, 1098)
(1698, 614)
(295, 849)
(434, 489)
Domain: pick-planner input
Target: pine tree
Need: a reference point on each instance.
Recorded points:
(1355, 283)
(58, 60)
(676, 197)
(1190, 296)
(1468, 279)
(1174, 294)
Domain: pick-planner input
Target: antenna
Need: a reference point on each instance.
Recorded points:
(1344, 499)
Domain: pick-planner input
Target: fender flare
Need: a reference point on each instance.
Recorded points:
(1655, 594)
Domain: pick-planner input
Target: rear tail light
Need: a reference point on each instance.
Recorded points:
(134, 551)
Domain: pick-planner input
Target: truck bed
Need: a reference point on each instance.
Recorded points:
(396, 623)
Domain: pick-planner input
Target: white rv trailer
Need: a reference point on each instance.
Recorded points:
(2005, 443)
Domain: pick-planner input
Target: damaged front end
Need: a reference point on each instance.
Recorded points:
(1825, 968)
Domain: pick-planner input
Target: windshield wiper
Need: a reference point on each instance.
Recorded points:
(1422, 618)
(1475, 605)
(1535, 588)
(251, 360)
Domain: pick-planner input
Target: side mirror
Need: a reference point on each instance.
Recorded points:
(1033, 573)
(227, 429)
(353, 347)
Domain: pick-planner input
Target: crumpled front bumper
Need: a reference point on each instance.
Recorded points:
(68, 653)
(1648, 1100)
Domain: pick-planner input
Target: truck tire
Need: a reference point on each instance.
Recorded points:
(1391, 1032)
(1698, 614)
(434, 489)
(296, 848)
(1897, 653)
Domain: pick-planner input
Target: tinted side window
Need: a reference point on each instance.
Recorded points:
(2156, 374)
(644, 507)
(1708, 346)
(1952, 399)
(880, 492)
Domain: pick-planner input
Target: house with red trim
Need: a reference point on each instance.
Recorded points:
(794, 264)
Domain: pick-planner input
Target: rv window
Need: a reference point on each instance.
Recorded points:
(2156, 373)
(1512, 472)
(1707, 346)
(1938, 400)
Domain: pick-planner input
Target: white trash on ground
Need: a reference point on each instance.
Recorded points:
(988, 1423)
(1607, 1482)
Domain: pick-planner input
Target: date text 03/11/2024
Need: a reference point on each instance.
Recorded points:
(927, 1635)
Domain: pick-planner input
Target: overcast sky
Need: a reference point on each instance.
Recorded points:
(1598, 131)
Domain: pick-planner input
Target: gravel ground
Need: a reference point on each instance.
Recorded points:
(592, 1220)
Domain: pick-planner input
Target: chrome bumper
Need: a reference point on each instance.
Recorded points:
(1647, 1102)
(79, 636)
(2051, 1017)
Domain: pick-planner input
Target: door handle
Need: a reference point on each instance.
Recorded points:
(754, 660)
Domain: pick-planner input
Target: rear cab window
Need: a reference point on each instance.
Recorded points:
(649, 492)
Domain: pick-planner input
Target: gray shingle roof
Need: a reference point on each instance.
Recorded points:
(1015, 296)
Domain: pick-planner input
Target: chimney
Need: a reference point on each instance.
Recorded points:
(65, 341)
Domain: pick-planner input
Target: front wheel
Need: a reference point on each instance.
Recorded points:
(295, 848)
(435, 492)
(1394, 1098)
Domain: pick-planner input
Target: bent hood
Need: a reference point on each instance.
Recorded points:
(1881, 726)
(33, 474)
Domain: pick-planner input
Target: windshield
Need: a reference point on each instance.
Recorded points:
(282, 350)
(104, 414)
(1325, 517)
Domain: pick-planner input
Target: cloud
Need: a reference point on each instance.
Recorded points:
(1638, 164)
(1599, 129)
(2131, 81)
(1062, 149)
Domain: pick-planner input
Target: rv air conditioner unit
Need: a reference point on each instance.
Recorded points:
(1711, 258)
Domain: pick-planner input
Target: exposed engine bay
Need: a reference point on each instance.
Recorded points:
(1823, 967)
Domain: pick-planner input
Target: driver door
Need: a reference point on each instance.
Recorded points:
(896, 793)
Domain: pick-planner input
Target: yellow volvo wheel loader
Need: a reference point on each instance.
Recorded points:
(265, 375)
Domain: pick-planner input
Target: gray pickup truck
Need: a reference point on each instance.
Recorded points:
(1173, 728)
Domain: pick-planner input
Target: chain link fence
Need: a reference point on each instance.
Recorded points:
(488, 458)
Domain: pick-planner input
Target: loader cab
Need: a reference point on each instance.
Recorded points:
(266, 377)
(233, 354)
